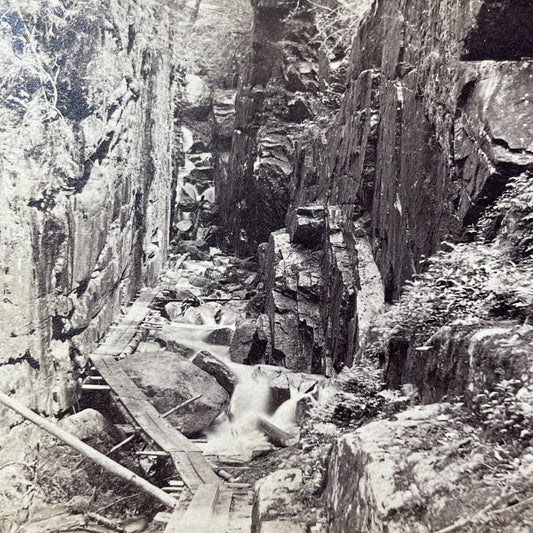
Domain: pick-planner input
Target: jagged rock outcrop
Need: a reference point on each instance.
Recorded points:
(293, 288)
(319, 299)
(86, 183)
(462, 360)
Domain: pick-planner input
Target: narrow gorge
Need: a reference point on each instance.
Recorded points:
(267, 266)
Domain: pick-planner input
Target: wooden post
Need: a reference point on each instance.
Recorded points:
(91, 453)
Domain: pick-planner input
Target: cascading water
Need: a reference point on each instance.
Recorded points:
(235, 431)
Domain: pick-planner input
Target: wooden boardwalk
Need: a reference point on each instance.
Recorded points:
(209, 509)
(190, 464)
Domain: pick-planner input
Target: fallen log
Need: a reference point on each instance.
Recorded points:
(276, 435)
(89, 452)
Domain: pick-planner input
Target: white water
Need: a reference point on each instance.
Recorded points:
(236, 432)
(187, 137)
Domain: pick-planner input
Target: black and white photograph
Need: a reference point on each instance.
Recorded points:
(266, 266)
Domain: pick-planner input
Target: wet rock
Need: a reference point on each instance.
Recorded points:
(222, 336)
(171, 335)
(174, 310)
(249, 342)
(197, 147)
(216, 368)
(169, 379)
(198, 99)
(307, 226)
(86, 424)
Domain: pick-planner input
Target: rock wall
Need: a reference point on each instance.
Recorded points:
(277, 94)
(86, 183)
(433, 124)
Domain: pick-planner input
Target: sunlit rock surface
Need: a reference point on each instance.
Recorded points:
(85, 193)
(420, 472)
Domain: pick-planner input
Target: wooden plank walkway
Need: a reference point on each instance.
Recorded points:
(210, 509)
(186, 456)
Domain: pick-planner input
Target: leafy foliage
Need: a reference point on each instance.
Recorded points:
(229, 26)
(356, 396)
(507, 412)
(337, 23)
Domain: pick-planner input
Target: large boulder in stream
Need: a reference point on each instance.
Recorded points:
(169, 379)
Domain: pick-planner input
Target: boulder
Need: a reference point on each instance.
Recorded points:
(280, 390)
(169, 379)
(418, 472)
(170, 337)
(249, 342)
(86, 424)
(221, 336)
(216, 368)
(174, 310)
(306, 225)
(276, 502)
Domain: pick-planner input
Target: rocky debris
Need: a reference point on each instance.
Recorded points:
(86, 424)
(307, 225)
(169, 379)
(216, 368)
(420, 472)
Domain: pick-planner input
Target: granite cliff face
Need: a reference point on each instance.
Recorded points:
(86, 183)
(435, 119)
(435, 122)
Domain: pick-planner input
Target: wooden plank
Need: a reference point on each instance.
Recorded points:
(118, 339)
(187, 458)
(221, 513)
(186, 470)
(202, 468)
(199, 516)
(195, 470)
